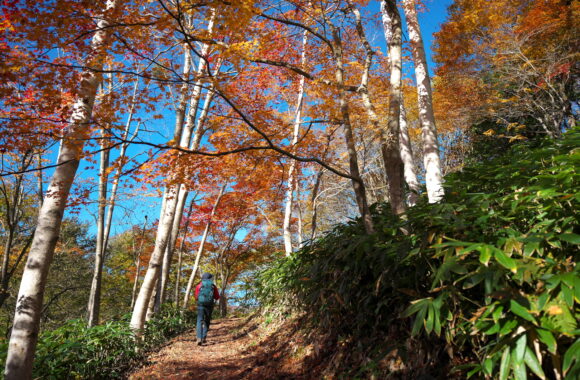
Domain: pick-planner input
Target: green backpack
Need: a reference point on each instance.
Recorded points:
(205, 295)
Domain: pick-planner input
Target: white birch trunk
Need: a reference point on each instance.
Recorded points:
(183, 192)
(149, 281)
(404, 140)
(388, 143)
(432, 162)
(168, 212)
(180, 256)
(299, 213)
(407, 157)
(200, 249)
(95, 293)
(391, 150)
(24, 334)
(291, 171)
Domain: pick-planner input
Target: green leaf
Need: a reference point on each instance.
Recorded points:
(519, 371)
(488, 366)
(548, 339)
(532, 362)
(519, 350)
(577, 288)
(504, 367)
(506, 261)
(570, 238)
(492, 330)
(508, 327)
(521, 311)
(430, 319)
(497, 313)
(567, 295)
(419, 321)
(484, 254)
(572, 355)
(437, 326)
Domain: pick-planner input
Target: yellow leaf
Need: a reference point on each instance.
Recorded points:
(489, 132)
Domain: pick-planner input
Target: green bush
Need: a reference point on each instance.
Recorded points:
(492, 270)
(107, 351)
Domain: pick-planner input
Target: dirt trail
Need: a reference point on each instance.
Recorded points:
(232, 351)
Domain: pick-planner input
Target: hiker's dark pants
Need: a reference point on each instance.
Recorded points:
(203, 320)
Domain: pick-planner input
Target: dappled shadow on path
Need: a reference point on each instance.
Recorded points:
(233, 351)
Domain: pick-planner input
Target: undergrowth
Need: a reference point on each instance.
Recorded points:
(487, 279)
(107, 351)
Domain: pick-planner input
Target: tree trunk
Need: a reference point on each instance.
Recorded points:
(395, 187)
(357, 183)
(113, 197)
(180, 256)
(200, 249)
(193, 144)
(407, 158)
(291, 171)
(136, 281)
(24, 334)
(168, 213)
(390, 150)
(432, 162)
(299, 214)
(183, 192)
(149, 281)
(314, 202)
(95, 294)
(167, 258)
(223, 303)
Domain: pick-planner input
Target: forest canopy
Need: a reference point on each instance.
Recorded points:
(146, 142)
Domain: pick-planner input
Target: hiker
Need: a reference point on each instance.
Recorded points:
(205, 293)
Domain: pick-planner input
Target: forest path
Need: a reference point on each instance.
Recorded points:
(232, 351)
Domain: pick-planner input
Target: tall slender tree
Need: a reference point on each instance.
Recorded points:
(431, 159)
(292, 182)
(24, 333)
(391, 150)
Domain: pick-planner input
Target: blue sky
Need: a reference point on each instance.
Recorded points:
(132, 211)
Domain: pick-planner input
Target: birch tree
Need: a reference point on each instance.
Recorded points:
(388, 142)
(391, 150)
(24, 334)
(431, 160)
(291, 171)
(168, 212)
(95, 294)
(404, 140)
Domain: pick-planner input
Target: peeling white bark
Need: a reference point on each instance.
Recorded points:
(391, 150)
(292, 170)
(25, 329)
(432, 162)
(404, 140)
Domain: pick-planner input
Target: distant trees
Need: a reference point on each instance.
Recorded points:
(510, 72)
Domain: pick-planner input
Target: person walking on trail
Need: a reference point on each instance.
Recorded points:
(205, 294)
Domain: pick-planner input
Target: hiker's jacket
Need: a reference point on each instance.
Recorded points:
(216, 294)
